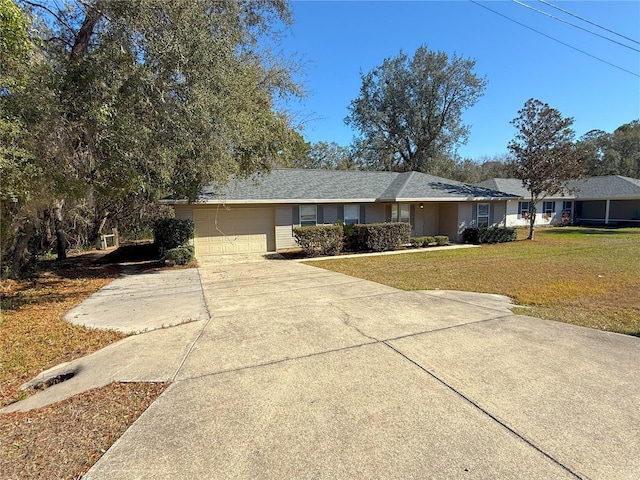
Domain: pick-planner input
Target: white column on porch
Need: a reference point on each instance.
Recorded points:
(606, 212)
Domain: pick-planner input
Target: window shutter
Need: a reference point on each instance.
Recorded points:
(474, 214)
(362, 217)
(295, 215)
(491, 212)
(319, 215)
(387, 213)
(553, 207)
(520, 208)
(412, 216)
(341, 212)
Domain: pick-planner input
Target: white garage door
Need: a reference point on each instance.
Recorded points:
(240, 230)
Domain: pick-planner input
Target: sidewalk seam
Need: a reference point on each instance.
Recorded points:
(278, 361)
(374, 341)
(489, 414)
(195, 340)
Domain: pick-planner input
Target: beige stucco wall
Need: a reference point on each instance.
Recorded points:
(465, 219)
(430, 218)
(183, 212)
(435, 218)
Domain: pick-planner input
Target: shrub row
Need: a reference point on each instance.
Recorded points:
(332, 239)
(320, 239)
(489, 235)
(430, 241)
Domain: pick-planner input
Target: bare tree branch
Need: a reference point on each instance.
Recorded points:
(52, 13)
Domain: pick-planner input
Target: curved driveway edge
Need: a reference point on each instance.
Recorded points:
(165, 309)
(144, 301)
(306, 373)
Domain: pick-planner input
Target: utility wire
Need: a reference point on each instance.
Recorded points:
(574, 25)
(555, 39)
(588, 21)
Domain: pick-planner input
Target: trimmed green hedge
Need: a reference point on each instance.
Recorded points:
(320, 239)
(171, 233)
(419, 242)
(489, 235)
(179, 255)
(429, 241)
(382, 236)
(441, 240)
(332, 239)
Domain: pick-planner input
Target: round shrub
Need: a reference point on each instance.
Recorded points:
(320, 239)
(179, 255)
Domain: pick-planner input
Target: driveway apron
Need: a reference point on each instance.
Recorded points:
(306, 373)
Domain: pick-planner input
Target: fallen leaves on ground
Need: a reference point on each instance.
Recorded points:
(63, 440)
(34, 335)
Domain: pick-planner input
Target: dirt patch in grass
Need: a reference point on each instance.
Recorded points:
(588, 277)
(65, 439)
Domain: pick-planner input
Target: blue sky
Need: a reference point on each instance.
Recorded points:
(336, 40)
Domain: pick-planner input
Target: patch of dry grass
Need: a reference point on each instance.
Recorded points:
(34, 335)
(64, 440)
(61, 440)
(588, 277)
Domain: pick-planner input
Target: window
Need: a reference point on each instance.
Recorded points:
(308, 215)
(401, 212)
(483, 215)
(524, 210)
(351, 214)
(548, 209)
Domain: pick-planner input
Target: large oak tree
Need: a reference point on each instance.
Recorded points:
(145, 97)
(409, 110)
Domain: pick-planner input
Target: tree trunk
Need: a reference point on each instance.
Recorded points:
(531, 227)
(61, 238)
(532, 220)
(81, 43)
(19, 252)
(98, 225)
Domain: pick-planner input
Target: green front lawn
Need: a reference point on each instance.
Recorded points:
(584, 276)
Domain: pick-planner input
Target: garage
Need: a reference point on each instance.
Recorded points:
(225, 230)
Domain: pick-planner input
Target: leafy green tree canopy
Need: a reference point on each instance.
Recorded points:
(326, 155)
(164, 96)
(409, 110)
(545, 154)
(137, 99)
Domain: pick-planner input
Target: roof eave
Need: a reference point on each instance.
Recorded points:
(284, 201)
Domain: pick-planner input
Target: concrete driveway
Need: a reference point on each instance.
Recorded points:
(306, 373)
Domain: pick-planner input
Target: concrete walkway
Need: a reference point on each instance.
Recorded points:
(306, 373)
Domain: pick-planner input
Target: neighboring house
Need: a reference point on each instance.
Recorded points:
(258, 214)
(605, 200)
